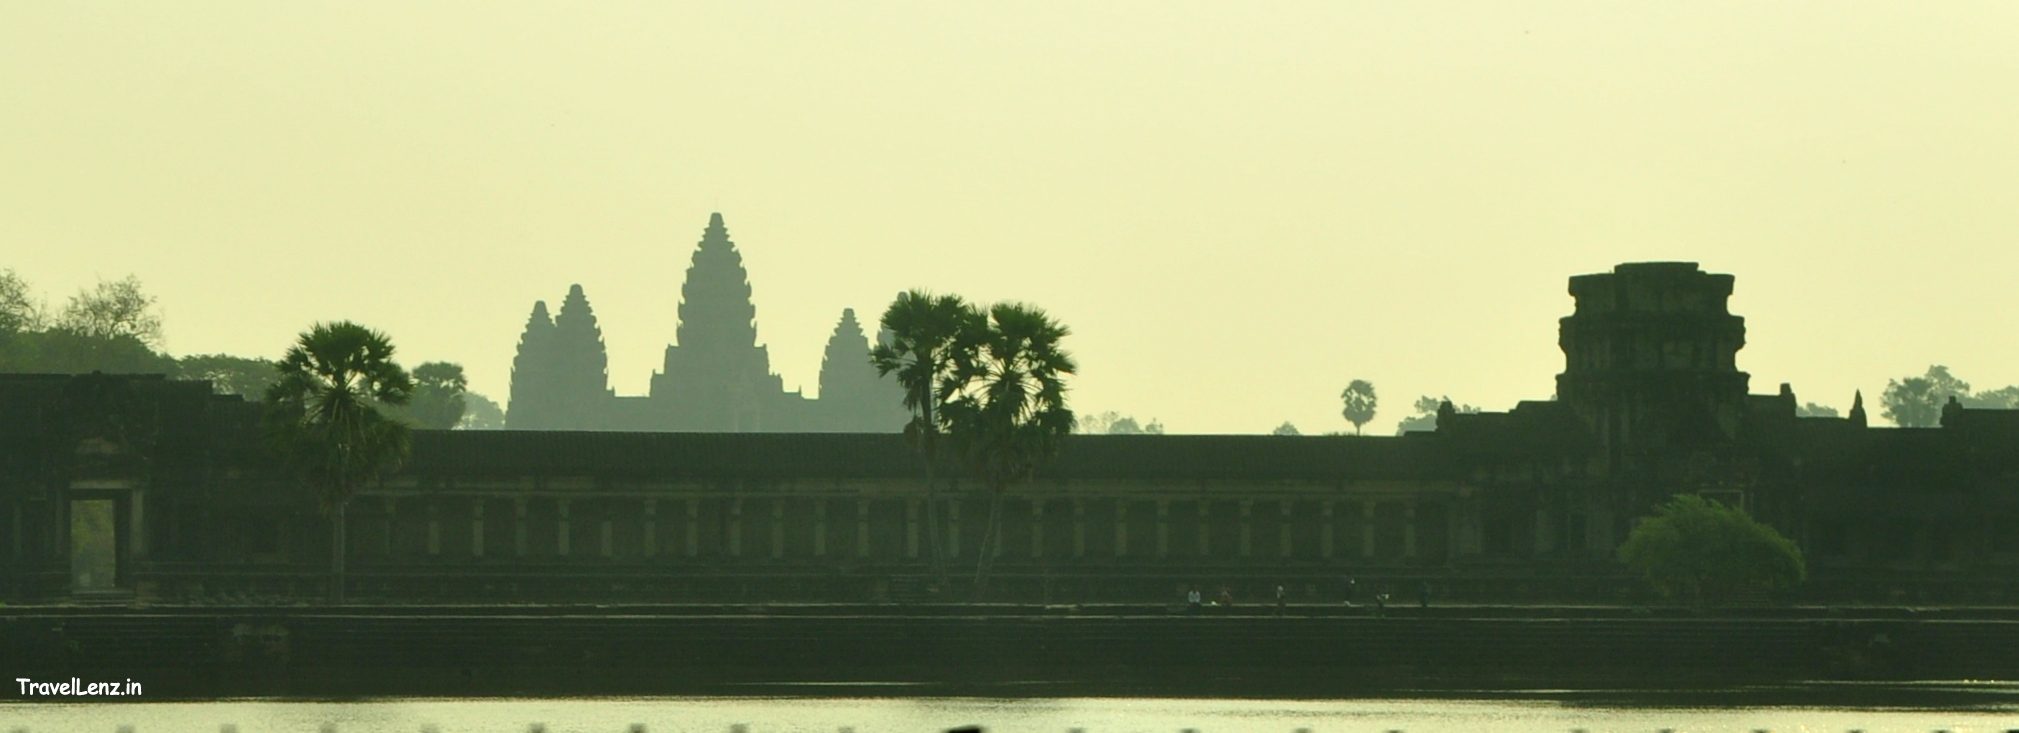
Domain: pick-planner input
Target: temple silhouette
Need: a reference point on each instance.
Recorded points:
(716, 378)
(155, 488)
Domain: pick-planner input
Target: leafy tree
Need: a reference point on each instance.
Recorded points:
(440, 395)
(1011, 411)
(325, 421)
(1425, 418)
(250, 378)
(2003, 398)
(1360, 403)
(1114, 423)
(18, 310)
(480, 413)
(1702, 551)
(1128, 426)
(1814, 410)
(113, 310)
(1946, 384)
(58, 351)
(1914, 402)
(925, 338)
(1285, 429)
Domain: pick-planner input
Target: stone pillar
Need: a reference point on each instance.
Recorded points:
(861, 527)
(820, 528)
(651, 529)
(388, 505)
(953, 529)
(736, 527)
(910, 528)
(1205, 528)
(1121, 528)
(1454, 528)
(1163, 529)
(607, 528)
(434, 529)
(1542, 543)
(1079, 529)
(561, 543)
(1409, 530)
(1367, 529)
(778, 529)
(1325, 530)
(519, 527)
(1285, 530)
(1247, 547)
(693, 527)
(1037, 527)
(477, 527)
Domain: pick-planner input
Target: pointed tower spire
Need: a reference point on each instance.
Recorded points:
(532, 373)
(1857, 416)
(716, 376)
(581, 363)
(715, 307)
(846, 358)
(849, 384)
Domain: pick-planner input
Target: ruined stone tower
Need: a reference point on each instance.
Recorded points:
(1649, 357)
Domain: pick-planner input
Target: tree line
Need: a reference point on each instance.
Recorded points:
(114, 327)
(1909, 402)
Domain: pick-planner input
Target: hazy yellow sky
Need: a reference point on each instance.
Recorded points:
(1237, 207)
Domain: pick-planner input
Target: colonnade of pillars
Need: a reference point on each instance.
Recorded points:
(760, 528)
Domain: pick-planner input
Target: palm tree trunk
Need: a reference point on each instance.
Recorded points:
(937, 558)
(336, 553)
(988, 541)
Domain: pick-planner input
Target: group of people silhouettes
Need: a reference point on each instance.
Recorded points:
(1195, 601)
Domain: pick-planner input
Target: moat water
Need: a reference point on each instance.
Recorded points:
(1957, 707)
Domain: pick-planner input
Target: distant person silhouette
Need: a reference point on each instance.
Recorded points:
(1192, 601)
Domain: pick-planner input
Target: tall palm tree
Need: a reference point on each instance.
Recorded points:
(927, 334)
(325, 422)
(1012, 412)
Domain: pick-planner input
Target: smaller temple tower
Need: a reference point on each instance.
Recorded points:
(853, 397)
(529, 407)
(580, 364)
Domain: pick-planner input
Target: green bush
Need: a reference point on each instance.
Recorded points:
(1697, 550)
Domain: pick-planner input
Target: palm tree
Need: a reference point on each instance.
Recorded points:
(325, 422)
(1009, 418)
(926, 331)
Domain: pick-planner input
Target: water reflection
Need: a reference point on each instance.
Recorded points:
(999, 715)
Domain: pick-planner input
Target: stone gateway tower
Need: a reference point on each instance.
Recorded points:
(1649, 357)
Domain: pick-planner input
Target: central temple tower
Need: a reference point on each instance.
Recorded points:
(716, 345)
